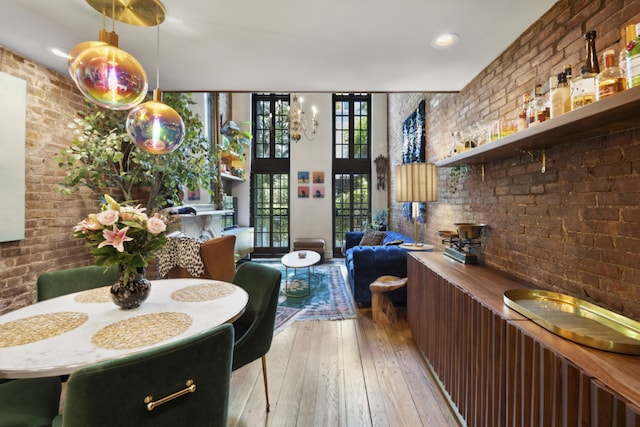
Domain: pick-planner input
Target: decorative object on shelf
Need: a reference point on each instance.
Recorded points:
(381, 170)
(124, 235)
(632, 54)
(154, 126)
(297, 121)
(105, 74)
(132, 292)
(416, 183)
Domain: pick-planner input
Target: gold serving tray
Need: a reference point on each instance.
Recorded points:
(577, 320)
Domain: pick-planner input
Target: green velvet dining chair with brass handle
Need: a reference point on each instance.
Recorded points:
(53, 284)
(30, 402)
(254, 329)
(185, 382)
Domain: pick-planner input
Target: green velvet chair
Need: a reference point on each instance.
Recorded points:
(115, 392)
(32, 402)
(254, 329)
(62, 282)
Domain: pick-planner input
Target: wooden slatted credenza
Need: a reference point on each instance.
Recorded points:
(500, 368)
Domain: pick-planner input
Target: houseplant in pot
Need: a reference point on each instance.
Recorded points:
(103, 157)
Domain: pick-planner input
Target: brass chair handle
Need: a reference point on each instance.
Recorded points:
(191, 388)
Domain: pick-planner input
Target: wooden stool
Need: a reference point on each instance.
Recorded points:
(383, 310)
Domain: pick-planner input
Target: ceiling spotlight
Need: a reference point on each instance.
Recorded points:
(445, 40)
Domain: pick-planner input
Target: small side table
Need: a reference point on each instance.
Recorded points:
(295, 260)
(383, 309)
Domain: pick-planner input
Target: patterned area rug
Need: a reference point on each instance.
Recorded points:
(330, 297)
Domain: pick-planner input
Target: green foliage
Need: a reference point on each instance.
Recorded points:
(456, 175)
(235, 137)
(102, 156)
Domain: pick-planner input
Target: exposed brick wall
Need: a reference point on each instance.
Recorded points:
(575, 228)
(52, 103)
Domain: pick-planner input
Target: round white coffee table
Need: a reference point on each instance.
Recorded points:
(295, 260)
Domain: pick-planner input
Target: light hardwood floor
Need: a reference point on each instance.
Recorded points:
(340, 373)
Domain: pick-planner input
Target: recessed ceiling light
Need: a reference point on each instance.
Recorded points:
(62, 53)
(445, 40)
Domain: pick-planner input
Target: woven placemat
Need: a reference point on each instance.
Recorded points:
(204, 292)
(39, 327)
(97, 295)
(141, 331)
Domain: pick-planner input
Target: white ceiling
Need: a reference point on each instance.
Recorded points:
(288, 45)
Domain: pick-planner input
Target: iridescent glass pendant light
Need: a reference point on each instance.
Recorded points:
(108, 76)
(154, 126)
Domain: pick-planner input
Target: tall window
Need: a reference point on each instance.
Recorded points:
(351, 164)
(270, 174)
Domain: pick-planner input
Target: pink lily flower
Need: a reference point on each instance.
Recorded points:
(115, 238)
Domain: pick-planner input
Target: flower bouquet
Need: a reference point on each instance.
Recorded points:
(124, 235)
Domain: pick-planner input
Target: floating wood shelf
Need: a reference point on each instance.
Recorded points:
(230, 177)
(618, 112)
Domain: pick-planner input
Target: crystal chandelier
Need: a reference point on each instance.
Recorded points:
(298, 123)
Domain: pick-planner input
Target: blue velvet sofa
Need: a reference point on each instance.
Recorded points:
(366, 263)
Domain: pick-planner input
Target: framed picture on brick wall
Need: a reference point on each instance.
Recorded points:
(13, 110)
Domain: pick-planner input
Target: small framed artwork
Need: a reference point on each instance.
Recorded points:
(303, 191)
(199, 196)
(318, 177)
(318, 191)
(303, 177)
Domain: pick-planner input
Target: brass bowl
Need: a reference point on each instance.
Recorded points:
(447, 234)
(469, 230)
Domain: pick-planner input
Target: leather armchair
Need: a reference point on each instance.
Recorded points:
(218, 257)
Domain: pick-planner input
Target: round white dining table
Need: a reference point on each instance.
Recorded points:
(60, 335)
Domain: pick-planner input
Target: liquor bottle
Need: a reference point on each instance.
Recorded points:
(567, 71)
(612, 79)
(592, 58)
(633, 56)
(583, 88)
(522, 117)
(537, 111)
(560, 97)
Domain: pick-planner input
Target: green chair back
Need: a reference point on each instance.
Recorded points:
(254, 329)
(62, 282)
(32, 402)
(113, 392)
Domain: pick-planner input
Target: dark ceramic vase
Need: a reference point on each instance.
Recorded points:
(132, 293)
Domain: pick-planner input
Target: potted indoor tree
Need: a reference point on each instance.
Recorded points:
(103, 158)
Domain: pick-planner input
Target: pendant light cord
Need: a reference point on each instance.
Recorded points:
(158, 56)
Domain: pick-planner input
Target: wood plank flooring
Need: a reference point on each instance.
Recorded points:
(340, 373)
